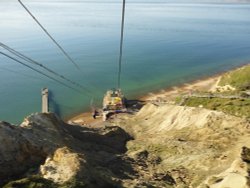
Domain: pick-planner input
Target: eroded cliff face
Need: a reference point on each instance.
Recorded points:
(17, 154)
(167, 146)
(195, 146)
(64, 154)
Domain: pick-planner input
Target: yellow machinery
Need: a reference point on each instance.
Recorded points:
(113, 102)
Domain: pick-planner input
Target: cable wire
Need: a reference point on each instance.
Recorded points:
(54, 41)
(40, 72)
(22, 56)
(121, 45)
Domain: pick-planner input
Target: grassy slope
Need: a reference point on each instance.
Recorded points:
(237, 107)
(240, 79)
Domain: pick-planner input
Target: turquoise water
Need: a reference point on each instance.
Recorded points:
(165, 44)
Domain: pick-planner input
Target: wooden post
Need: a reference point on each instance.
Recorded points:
(45, 100)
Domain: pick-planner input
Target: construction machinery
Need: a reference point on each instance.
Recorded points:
(113, 102)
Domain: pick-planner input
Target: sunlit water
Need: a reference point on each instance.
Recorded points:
(165, 44)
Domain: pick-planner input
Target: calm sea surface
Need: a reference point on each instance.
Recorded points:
(165, 44)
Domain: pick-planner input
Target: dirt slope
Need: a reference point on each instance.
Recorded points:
(192, 145)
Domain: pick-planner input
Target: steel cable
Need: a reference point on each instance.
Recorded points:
(40, 72)
(22, 56)
(121, 45)
(54, 41)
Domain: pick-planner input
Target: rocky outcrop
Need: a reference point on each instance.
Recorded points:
(62, 166)
(23, 148)
(17, 154)
(235, 176)
(44, 145)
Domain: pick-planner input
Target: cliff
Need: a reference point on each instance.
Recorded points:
(45, 151)
(172, 146)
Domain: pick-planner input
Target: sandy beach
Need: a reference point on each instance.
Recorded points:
(206, 84)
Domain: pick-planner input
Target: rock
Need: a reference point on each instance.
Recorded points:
(164, 177)
(66, 155)
(245, 154)
(62, 166)
(17, 154)
(235, 176)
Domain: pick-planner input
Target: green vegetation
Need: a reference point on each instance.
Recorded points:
(237, 107)
(240, 78)
(178, 100)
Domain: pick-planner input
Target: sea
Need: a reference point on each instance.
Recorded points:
(166, 43)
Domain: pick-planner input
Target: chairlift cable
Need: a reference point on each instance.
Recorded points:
(22, 56)
(54, 41)
(121, 44)
(40, 72)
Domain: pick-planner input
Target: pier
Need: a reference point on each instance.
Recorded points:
(45, 100)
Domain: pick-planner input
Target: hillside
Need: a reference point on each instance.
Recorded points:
(192, 145)
(239, 78)
(161, 146)
(203, 140)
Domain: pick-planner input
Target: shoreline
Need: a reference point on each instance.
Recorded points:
(192, 82)
(205, 83)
